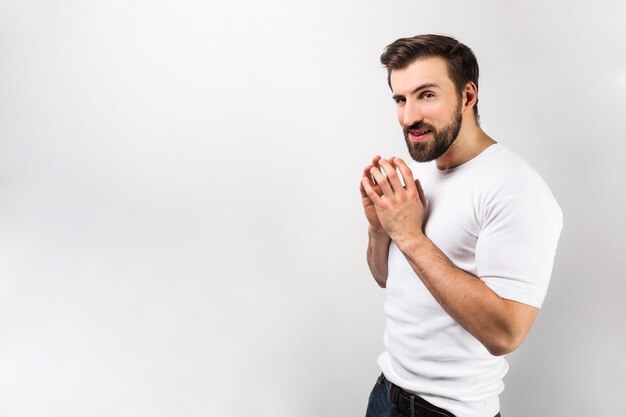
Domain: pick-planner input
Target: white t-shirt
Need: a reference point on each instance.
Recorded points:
(495, 218)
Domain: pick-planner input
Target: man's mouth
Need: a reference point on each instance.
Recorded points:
(418, 135)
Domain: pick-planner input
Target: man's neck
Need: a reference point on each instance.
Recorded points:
(472, 140)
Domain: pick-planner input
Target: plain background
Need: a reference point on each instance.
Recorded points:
(180, 223)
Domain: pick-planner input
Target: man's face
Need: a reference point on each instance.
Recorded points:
(429, 107)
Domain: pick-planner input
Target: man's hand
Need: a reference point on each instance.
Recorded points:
(399, 209)
(368, 205)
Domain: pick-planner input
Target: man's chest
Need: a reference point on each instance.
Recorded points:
(453, 220)
(452, 223)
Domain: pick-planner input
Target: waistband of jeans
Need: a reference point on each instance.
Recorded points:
(411, 404)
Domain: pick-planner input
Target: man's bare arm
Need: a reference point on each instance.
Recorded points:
(499, 324)
(378, 243)
(378, 255)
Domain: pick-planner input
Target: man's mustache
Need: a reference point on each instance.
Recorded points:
(419, 126)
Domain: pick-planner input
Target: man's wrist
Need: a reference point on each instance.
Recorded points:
(377, 234)
(411, 242)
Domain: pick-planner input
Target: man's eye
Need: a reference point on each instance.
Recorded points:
(400, 101)
(428, 95)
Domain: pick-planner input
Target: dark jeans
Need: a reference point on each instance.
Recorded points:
(379, 404)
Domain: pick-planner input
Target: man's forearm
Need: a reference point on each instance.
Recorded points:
(378, 254)
(499, 324)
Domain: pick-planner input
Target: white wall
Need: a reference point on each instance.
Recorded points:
(180, 224)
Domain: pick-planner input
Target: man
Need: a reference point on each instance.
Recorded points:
(463, 245)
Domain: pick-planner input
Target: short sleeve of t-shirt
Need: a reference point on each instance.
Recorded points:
(517, 243)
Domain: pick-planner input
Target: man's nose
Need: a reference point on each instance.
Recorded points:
(412, 114)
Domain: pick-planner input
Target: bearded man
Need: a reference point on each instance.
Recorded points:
(463, 240)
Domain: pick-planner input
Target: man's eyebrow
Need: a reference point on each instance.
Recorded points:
(421, 87)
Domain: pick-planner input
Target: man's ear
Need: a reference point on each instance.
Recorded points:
(470, 96)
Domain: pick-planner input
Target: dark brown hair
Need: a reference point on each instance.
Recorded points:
(461, 61)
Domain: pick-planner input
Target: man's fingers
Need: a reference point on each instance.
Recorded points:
(375, 187)
(392, 175)
(372, 181)
(363, 193)
(407, 174)
(420, 192)
(366, 170)
(368, 167)
(366, 184)
(381, 181)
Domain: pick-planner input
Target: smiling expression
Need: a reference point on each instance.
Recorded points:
(429, 107)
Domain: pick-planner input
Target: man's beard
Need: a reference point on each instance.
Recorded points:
(440, 143)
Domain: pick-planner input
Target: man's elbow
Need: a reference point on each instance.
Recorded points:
(504, 345)
(510, 332)
(379, 277)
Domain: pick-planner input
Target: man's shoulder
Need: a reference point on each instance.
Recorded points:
(505, 171)
(510, 179)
